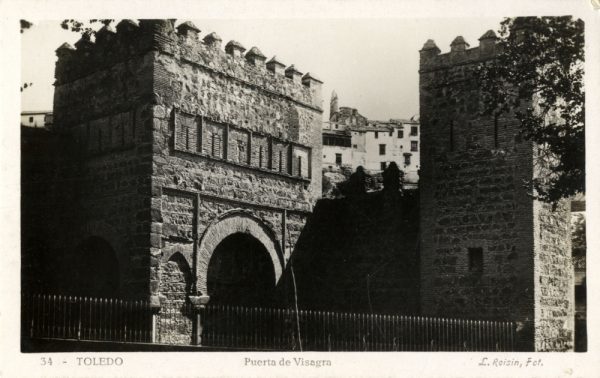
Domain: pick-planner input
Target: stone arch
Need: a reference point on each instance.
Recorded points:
(174, 288)
(236, 221)
(104, 231)
(170, 250)
(92, 269)
(176, 277)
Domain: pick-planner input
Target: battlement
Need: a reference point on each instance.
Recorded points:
(183, 42)
(459, 54)
(489, 249)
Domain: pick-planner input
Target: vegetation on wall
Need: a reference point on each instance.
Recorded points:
(543, 58)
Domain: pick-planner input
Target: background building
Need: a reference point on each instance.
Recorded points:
(351, 140)
(38, 119)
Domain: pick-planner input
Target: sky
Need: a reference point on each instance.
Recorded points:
(372, 64)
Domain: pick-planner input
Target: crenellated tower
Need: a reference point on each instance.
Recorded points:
(181, 152)
(488, 250)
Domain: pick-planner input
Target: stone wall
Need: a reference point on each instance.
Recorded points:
(486, 245)
(41, 162)
(554, 284)
(102, 114)
(359, 254)
(230, 134)
(165, 135)
(175, 284)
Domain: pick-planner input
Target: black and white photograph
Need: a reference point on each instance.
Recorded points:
(269, 185)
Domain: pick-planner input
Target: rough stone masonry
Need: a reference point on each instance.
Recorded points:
(488, 251)
(178, 144)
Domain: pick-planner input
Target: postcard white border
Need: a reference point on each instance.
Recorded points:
(190, 364)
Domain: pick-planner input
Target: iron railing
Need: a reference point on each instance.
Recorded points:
(284, 329)
(237, 327)
(83, 318)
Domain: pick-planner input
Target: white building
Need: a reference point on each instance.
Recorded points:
(337, 148)
(39, 119)
(380, 143)
(350, 139)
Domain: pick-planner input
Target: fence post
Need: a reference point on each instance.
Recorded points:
(32, 314)
(155, 310)
(198, 304)
(524, 334)
(79, 319)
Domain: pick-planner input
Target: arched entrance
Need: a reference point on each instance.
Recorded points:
(241, 257)
(241, 272)
(93, 269)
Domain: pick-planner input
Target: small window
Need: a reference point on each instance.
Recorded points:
(392, 132)
(299, 165)
(280, 161)
(400, 133)
(406, 159)
(354, 146)
(476, 260)
(336, 126)
(242, 154)
(260, 156)
(414, 130)
(338, 159)
(376, 134)
(382, 149)
(414, 145)
(382, 165)
(30, 119)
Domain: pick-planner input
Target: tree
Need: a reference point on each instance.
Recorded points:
(541, 58)
(25, 25)
(84, 28)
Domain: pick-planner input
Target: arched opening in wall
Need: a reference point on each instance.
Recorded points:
(93, 270)
(175, 278)
(174, 325)
(241, 272)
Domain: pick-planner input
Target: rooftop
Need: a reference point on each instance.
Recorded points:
(30, 112)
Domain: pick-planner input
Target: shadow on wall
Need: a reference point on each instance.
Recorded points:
(359, 253)
(43, 164)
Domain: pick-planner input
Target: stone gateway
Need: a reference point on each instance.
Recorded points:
(488, 251)
(193, 168)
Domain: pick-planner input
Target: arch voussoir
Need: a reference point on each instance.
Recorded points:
(229, 224)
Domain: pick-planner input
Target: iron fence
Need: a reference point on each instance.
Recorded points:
(83, 318)
(284, 329)
(225, 326)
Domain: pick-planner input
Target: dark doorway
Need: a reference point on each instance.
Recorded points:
(93, 270)
(241, 272)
